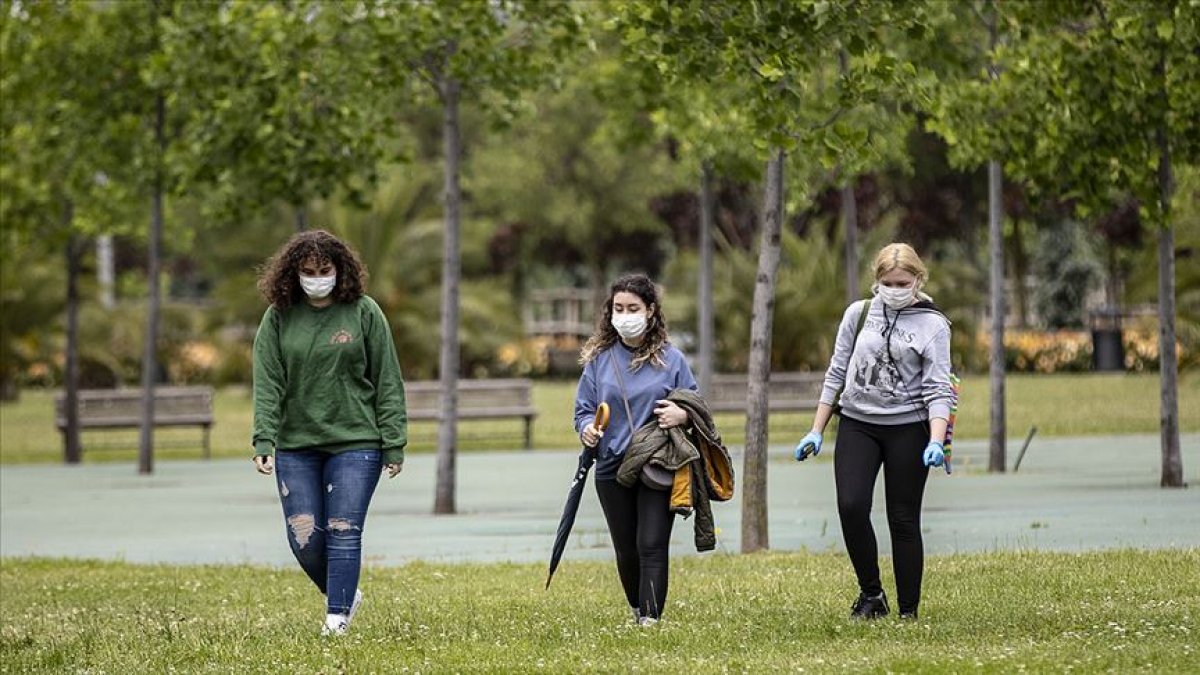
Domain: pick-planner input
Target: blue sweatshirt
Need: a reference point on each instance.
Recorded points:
(642, 387)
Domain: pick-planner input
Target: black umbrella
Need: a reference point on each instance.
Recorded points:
(586, 459)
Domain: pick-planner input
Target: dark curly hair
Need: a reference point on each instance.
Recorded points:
(654, 344)
(279, 281)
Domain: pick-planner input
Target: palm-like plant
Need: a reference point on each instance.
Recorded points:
(399, 238)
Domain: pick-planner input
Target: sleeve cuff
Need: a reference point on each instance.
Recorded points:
(939, 410)
(264, 447)
(393, 456)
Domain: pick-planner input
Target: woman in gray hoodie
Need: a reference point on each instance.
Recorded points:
(889, 379)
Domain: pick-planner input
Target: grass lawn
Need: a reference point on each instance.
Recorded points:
(1086, 404)
(1116, 611)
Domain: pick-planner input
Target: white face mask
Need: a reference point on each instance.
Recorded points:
(630, 325)
(318, 288)
(896, 298)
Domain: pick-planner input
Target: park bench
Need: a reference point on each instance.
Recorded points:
(786, 392)
(122, 409)
(477, 399)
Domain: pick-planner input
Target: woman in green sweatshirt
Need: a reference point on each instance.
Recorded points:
(329, 411)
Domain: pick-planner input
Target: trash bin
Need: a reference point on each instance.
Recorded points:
(1108, 353)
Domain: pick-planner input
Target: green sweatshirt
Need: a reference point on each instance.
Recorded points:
(327, 378)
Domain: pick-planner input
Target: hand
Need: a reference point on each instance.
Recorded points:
(935, 454)
(394, 469)
(668, 414)
(590, 435)
(809, 445)
(265, 464)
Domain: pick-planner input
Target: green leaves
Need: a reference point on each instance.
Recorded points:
(772, 71)
(70, 125)
(1085, 90)
(493, 50)
(277, 102)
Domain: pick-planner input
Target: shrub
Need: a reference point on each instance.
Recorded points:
(524, 358)
(1066, 351)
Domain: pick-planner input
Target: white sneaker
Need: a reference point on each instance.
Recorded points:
(647, 621)
(358, 598)
(335, 624)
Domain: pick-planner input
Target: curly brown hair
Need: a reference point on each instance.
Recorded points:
(279, 281)
(654, 344)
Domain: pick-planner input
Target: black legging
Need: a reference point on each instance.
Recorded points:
(861, 449)
(639, 520)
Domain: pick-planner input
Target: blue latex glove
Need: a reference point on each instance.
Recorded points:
(934, 454)
(809, 445)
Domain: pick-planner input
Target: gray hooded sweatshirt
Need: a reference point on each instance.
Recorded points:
(910, 385)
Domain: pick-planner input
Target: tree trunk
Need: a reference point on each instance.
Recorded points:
(597, 273)
(998, 436)
(72, 449)
(998, 433)
(850, 228)
(301, 217)
(704, 299)
(106, 275)
(1020, 268)
(444, 500)
(1168, 365)
(754, 471)
(150, 348)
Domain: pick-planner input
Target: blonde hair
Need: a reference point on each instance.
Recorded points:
(902, 256)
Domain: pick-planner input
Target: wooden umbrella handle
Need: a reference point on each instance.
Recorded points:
(602, 417)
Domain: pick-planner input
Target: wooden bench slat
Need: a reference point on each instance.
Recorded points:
(188, 406)
(786, 392)
(131, 422)
(490, 413)
(477, 399)
(122, 408)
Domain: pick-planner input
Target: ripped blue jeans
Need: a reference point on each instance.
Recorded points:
(325, 499)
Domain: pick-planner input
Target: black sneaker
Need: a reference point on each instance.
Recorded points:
(910, 615)
(867, 607)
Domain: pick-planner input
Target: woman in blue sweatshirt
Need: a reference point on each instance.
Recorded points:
(629, 364)
(893, 376)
